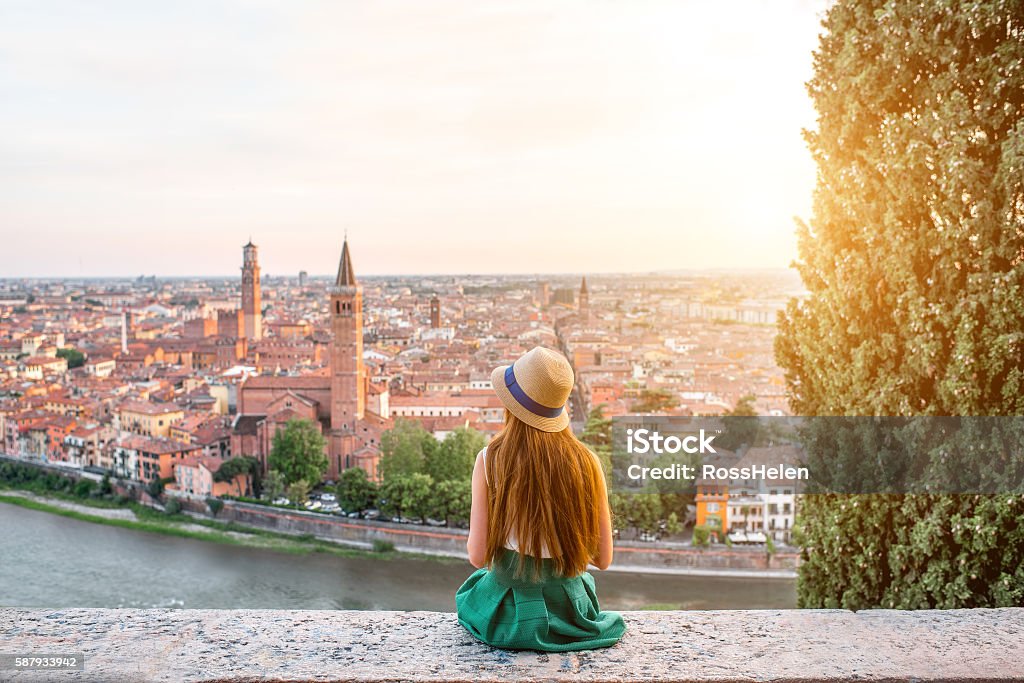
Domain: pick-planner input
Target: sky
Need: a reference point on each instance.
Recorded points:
(450, 136)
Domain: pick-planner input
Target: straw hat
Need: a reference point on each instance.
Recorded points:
(535, 388)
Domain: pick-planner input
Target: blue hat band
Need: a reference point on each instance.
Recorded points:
(525, 401)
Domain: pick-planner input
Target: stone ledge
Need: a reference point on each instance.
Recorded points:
(278, 645)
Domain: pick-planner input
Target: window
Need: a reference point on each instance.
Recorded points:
(712, 507)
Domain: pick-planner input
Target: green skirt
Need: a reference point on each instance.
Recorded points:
(554, 614)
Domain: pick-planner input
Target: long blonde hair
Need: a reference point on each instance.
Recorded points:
(547, 489)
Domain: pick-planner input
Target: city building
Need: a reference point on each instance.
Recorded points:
(335, 402)
(148, 418)
(251, 300)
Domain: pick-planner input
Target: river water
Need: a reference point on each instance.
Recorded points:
(52, 561)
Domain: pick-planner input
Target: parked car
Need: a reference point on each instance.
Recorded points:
(313, 504)
(437, 522)
(330, 507)
(371, 514)
(328, 497)
(739, 537)
(648, 536)
(353, 515)
(281, 501)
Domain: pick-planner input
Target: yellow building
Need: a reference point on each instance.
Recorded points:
(148, 418)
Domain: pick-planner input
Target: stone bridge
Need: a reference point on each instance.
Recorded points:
(278, 645)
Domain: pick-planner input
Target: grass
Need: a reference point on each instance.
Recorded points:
(155, 521)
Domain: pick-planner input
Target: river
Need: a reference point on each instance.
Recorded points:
(54, 561)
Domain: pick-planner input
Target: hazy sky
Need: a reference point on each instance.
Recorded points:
(469, 136)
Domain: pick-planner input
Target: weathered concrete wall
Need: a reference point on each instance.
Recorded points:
(271, 645)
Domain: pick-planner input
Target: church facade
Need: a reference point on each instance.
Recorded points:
(335, 400)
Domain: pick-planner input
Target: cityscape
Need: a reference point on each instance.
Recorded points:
(165, 380)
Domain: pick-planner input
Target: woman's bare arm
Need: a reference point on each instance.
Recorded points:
(476, 546)
(605, 549)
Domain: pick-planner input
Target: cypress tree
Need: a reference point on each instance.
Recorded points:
(914, 263)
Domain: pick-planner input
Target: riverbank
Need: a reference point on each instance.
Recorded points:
(142, 518)
(62, 562)
(301, 532)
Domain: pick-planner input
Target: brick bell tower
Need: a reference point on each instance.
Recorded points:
(251, 303)
(348, 374)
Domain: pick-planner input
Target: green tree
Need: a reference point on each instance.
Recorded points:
(912, 261)
(420, 496)
(701, 536)
(672, 524)
(155, 487)
(215, 505)
(355, 490)
(407, 496)
(597, 434)
(655, 401)
(297, 452)
(646, 511)
(74, 357)
(298, 492)
(273, 485)
(230, 469)
(741, 425)
(452, 500)
(453, 458)
(597, 431)
(403, 449)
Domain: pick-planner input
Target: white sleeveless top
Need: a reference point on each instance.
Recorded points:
(511, 543)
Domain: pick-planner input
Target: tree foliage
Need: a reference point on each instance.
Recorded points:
(913, 263)
(655, 401)
(74, 357)
(298, 492)
(404, 448)
(274, 485)
(408, 449)
(298, 453)
(407, 496)
(230, 469)
(452, 501)
(453, 458)
(355, 491)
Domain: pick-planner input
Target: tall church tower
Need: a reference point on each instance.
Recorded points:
(435, 312)
(251, 304)
(348, 375)
(584, 299)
